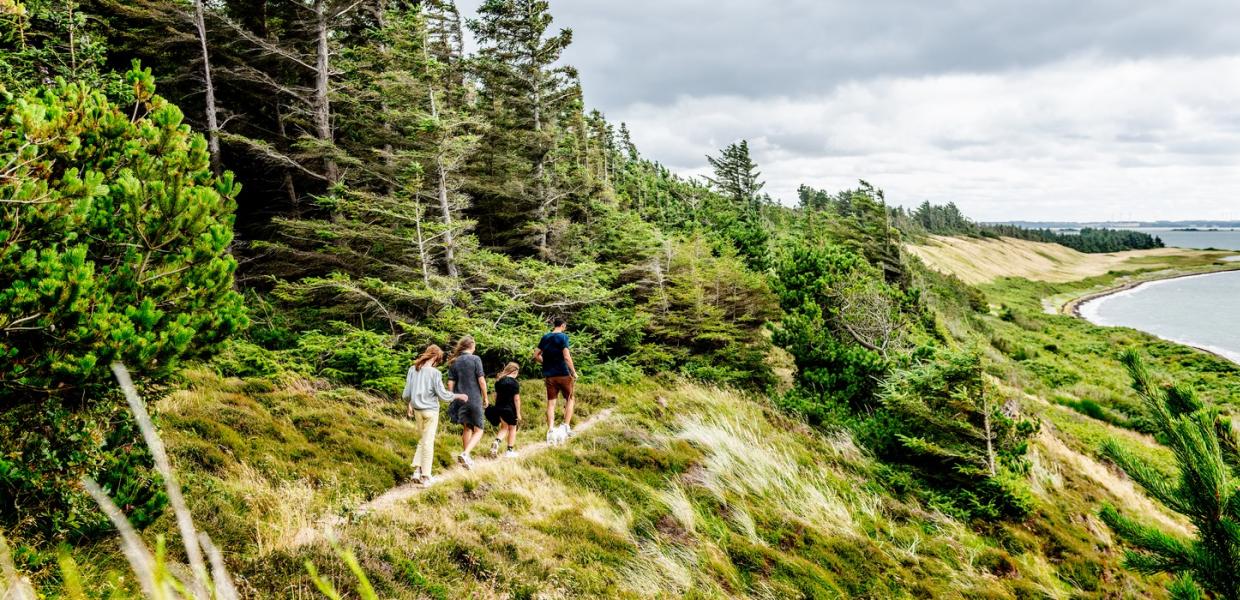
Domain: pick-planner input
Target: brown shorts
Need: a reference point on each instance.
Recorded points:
(556, 385)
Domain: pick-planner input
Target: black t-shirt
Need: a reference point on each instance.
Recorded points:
(552, 346)
(505, 390)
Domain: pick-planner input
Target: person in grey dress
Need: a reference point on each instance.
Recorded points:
(466, 376)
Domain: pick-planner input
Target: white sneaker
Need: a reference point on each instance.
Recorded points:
(494, 448)
(417, 474)
(428, 481)
(568, 429)
(468, 461)
(510, 454)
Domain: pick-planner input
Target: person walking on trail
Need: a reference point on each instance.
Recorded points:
(559, 374)
(423, 391)
(505, 414)
(465, 376)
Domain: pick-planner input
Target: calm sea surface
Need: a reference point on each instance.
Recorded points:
(1228, 239)
(1202, 311)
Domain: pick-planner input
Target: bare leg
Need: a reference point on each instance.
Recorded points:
(473, 435)
(568, 409)
(512, 436)
(550, 413)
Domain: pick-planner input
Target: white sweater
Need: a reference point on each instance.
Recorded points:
(423, 386)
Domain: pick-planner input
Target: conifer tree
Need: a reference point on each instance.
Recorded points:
(525, 92)
(736, 175)
(1206, 490)
(945, 421)
(737, 179)
(114, 240)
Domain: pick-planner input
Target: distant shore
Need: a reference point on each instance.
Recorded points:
(1073, 307)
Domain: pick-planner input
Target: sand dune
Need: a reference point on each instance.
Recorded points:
(980, 260)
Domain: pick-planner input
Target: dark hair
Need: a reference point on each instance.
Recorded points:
(558, 321)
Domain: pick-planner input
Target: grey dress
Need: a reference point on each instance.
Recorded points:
(465, 371)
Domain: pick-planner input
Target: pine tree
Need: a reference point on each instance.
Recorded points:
(945, 421)
(736, 175)
(114, 240)
(1206, 490)
(737, 179)
(519, 185)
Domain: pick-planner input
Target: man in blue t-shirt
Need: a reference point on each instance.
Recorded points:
(558, 372)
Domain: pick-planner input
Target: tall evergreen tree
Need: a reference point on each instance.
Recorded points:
(736, 175)
(738, 180)
(525, 90)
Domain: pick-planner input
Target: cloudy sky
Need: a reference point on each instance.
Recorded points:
(1051, 110)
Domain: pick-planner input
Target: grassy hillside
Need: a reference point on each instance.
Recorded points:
(682, 491)
(983, 260)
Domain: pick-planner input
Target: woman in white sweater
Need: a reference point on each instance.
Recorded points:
(424, 390)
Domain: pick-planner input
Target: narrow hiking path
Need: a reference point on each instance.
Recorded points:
(408, 490)
(326, 527)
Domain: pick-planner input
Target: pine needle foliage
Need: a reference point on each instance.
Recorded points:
(1205, 490)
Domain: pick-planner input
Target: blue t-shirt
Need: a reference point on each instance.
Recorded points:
(552, 346)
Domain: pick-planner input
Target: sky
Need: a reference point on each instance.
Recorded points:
(1013, 109)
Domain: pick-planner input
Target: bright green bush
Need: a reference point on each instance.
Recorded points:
(114, 247)
(831, 366)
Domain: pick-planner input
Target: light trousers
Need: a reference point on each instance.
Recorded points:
(428, 422)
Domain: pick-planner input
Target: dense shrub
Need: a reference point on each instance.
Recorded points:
(831, 362)
(113, 248)
(949, 427)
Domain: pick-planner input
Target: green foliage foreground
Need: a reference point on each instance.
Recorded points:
(113, 246)
(1206, 491)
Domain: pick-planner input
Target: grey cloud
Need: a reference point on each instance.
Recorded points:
(656, 50)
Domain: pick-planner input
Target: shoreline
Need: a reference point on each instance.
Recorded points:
(1073, 306)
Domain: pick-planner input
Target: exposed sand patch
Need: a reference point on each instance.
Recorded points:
(980, 260)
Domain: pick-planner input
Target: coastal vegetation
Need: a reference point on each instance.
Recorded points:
(831, 399)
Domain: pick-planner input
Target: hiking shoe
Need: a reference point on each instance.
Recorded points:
(494, 448)
(466, 461)
(427, 481)
(461, 458)
(417, 474)
(510, 454)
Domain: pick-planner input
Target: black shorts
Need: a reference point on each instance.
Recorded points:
(496, 413)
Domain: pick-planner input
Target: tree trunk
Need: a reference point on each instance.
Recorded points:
(990, 450)
(449, 240)
(539, 185)
(322, 104)
(213, 128)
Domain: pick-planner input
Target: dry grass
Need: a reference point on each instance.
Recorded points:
(1121, 489)
(982, 260)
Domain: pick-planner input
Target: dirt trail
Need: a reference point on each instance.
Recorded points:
(408, 490)
(326, 527)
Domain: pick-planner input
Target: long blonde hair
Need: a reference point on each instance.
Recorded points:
(465, 344)
(432, 353)
(510, 370)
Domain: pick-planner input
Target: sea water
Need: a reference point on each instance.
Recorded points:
(1222, 239)
(1201, 311)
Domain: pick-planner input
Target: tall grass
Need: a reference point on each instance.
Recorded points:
(207, 577)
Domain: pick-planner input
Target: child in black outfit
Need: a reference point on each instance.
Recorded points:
(506, 412)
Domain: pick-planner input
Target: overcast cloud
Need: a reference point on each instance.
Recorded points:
(1053, 109)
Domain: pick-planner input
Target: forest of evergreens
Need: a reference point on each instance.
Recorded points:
(948, 220)
(321, 188)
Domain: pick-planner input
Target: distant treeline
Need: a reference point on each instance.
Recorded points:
(948, 220)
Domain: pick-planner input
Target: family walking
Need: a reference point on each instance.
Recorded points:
(469, 397)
